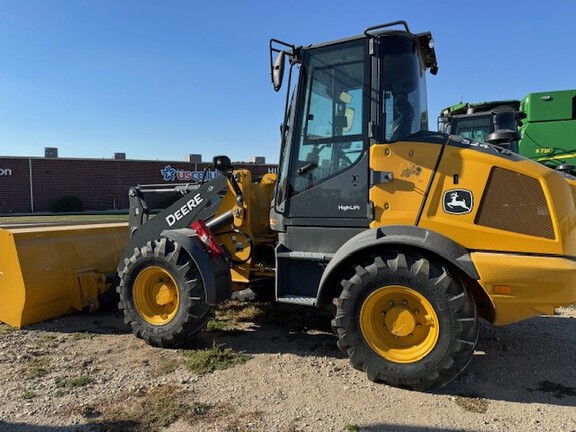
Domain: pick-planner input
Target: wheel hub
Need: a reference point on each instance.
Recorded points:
(156, 295)
(400, 321)
(165, 293)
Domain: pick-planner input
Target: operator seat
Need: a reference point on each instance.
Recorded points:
(403, 116)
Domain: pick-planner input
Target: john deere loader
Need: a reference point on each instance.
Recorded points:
(414, 235)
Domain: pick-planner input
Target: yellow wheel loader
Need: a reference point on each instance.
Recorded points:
(414, 235)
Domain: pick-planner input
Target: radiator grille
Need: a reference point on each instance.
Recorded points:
(515, 202)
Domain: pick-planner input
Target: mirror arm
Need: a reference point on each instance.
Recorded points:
(277, 66)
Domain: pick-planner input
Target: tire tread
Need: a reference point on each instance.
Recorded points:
(447, 285)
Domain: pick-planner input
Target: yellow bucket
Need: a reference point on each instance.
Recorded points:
(48, 271)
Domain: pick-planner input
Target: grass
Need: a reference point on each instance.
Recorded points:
(211, 359)
(164, 406)
(37, 367)
(472, 404)
(216, 325)
(28, 394)
(165, 368)
(75, 382)
(295, 318)
(154, 410)
(6, 329)
(44, 339)
(352, 428)
(59, 392)
(239, 311)
(82, 335)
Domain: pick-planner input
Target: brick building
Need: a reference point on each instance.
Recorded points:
(34, 184)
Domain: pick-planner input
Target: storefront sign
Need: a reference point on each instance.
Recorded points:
(170, 174)
(5, 172)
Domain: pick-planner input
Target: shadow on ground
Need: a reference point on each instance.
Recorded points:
(104, 321)
(131, 426)
(92, 427)
(533, 361)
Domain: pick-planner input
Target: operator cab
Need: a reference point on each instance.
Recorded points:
(492, 122)
(349, 94)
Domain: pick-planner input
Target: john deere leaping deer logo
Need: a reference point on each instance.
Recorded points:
(458, 201)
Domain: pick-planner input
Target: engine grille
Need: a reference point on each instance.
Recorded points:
(515, 202)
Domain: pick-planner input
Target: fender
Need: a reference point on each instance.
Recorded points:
(393, 235)
(215, 273)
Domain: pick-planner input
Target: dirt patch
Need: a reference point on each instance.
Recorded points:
(89, 373)
(472, 404)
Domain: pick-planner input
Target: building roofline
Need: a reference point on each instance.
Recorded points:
(126, 160)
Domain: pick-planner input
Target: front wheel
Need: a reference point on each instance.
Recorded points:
(162, 294)
(406, 320)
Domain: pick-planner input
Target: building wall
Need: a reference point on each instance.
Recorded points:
(14, 185)
(28, 184)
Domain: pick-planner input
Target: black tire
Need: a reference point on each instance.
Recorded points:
(380, 304)
(162, 294)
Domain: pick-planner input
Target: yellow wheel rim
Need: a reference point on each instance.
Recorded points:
(156, 295)
(399, 324)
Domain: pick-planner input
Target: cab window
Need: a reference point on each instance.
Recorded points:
(332, 125)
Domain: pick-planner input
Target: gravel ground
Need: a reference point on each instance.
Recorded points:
(88, 373)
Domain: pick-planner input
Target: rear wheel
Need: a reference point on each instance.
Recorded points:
(406, 320)
(162, 295)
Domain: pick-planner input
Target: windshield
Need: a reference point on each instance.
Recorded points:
(404, 84)
(475, 128)
(478, 127)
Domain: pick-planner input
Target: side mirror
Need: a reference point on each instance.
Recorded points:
(278, 70)
(502, 136)
(222, 163)
(444, 125)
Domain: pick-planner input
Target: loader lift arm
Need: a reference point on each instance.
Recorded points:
(174, 269)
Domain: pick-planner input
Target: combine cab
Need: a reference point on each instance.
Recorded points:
(541, 127)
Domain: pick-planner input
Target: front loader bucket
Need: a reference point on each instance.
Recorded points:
(47, 271)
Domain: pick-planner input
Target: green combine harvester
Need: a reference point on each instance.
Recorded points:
(542, 126)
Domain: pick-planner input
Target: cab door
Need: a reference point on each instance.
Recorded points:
(327, 180)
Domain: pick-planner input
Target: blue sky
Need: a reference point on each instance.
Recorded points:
(161, 79)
